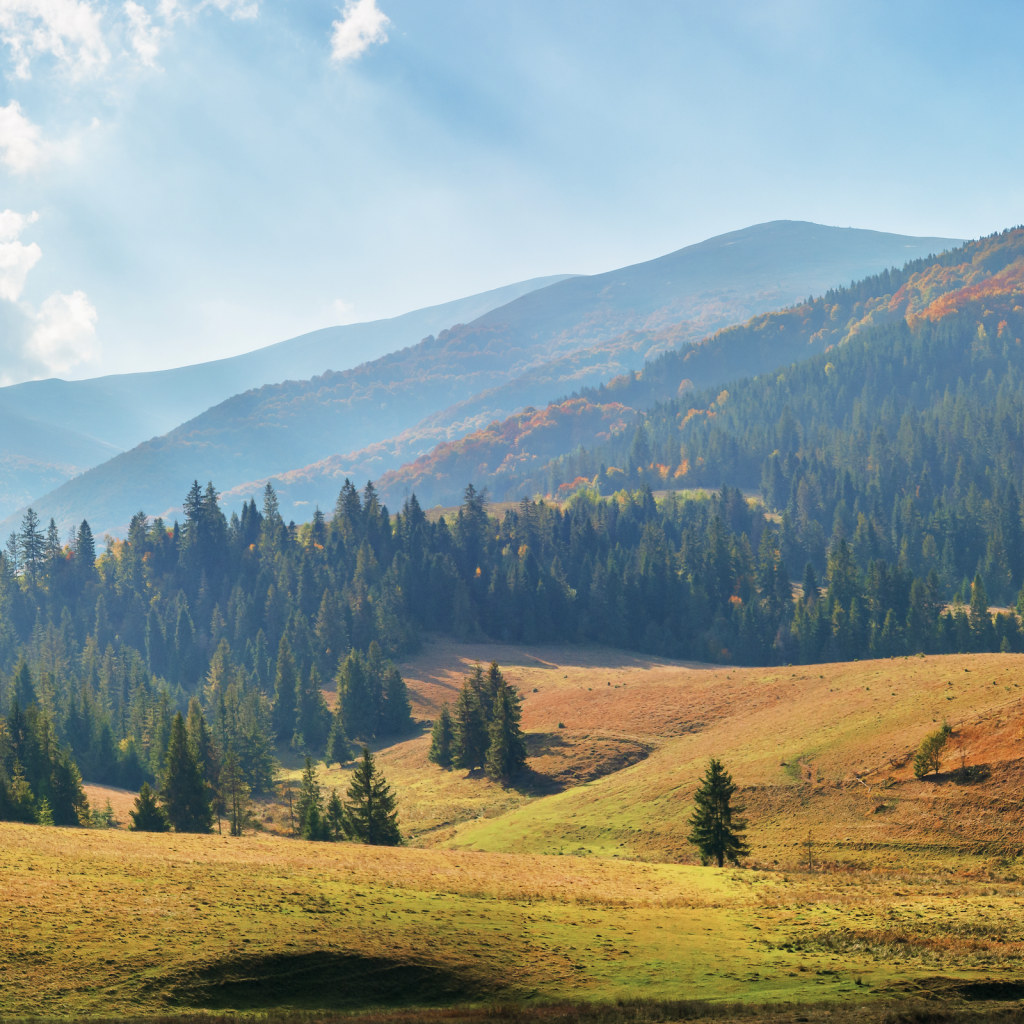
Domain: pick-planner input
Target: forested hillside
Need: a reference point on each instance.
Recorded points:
(904, 435)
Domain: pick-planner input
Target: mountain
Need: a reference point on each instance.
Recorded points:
(53, 430)
(276, 428)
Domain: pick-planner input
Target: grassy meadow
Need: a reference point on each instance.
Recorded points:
(578, 884)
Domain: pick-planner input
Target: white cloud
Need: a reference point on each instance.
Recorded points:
(16, 258)
(63, 329)
(362, 24)
(21, 142)
(68, 30)
(65, 332)
(22, 146)
(142, 33)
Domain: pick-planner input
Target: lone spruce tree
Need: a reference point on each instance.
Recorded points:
(184, 793)
(147, 815)
(372, 816)
(713, 830)
(441, 738)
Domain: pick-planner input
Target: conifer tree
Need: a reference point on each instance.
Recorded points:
(234, 795)
(372, 809)
(713, 830)
(506, 753)
(313, 823)
(442, 738)
(355, 697)
(337, 817)
(285, 696)
(184, 793)
(313, 718)
(396, 716)
(471, 738)
(148, 815)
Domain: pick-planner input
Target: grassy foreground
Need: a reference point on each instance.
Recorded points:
(108, 923)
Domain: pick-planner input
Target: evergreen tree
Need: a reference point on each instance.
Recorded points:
(312, 821)
(313, 718)
(285, 696)
(356, 703)
(506, 754)
(148, 815)
(442, 738)
(338, 748)
(396, 716)
(337, 817)
(184, 793)
(471, 738)
(234, 795)
(372, 809)
(713, 830)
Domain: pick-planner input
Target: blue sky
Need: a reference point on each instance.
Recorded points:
(185, 179)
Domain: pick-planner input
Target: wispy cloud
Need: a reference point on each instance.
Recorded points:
(361, 25)
(68, 30)
(23, 147)
(16, 258)
(142, 33)
(62, 332)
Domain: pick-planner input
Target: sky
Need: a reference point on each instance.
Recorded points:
(182, 180)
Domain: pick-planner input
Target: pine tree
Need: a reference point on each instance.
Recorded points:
(234, 795)
(506, 754)
(285, 696)
(396, 716)
(337, 817)
(355, 697)
(713, 830)
(313, 718)
(148, 815)
(442, 738)
(372, 806)
(313, 824)
(471, 738)
(184, 793)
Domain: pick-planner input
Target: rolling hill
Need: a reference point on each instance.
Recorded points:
(555, 339)
(52, 430)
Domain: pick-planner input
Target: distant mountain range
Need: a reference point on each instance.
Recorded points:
(541, 345)
(52, 430)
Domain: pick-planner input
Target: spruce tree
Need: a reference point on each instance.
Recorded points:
(371, 810)
(337, 817)
(355, 697)
(471, 738)
(148, 815)
(184, 793)
(285, 696)
(442, 738)
(713, 830)
(313, 718)
(396, 718)
(506, 754)
(234, 795)
(313, 823)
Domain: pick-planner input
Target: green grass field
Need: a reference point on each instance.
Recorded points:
(578, 885)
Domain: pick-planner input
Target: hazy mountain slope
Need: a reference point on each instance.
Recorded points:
(120, 410)
(283, 426)
(36, 456)
(509, 457)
